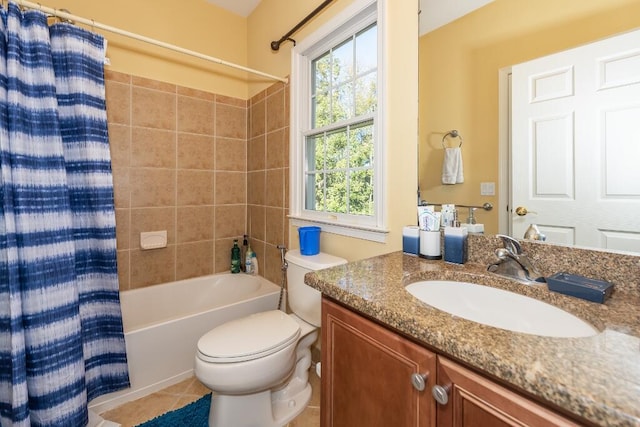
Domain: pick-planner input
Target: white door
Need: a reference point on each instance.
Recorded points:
(576, 145)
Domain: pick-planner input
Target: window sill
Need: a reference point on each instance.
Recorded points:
(373, 234)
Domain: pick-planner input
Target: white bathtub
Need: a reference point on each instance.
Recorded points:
(162, 325)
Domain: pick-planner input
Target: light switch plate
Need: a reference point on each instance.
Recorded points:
(487, 188)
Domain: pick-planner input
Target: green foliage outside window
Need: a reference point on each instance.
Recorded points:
(340, 169)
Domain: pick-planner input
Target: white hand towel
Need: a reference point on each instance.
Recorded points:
(452, 172)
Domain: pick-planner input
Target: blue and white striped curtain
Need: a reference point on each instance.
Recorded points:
(61, 337)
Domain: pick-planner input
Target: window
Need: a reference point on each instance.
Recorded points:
(336, 126)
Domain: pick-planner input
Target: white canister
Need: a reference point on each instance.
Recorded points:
(430, 244)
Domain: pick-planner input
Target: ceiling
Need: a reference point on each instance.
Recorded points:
(434, 13)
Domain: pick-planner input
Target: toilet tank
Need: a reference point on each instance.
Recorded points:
(303, 300)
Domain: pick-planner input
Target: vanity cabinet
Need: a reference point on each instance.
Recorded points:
(371, 376)
(475, 401)
(368, 373)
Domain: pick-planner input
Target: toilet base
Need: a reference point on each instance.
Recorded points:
(267, 410)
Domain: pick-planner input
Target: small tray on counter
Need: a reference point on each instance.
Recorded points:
(580, 287)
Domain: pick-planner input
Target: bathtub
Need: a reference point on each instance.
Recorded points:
(162, 325)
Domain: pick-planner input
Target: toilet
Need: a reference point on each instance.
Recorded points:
(258, 366)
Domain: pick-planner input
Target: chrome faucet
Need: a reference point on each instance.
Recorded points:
(514, 263)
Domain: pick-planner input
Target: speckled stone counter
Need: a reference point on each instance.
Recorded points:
(596, 378)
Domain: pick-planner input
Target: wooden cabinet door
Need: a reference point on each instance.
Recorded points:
(475, 401)
(367, 374)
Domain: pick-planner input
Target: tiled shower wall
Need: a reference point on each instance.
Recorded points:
(180, 159)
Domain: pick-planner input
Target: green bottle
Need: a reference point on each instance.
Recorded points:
(235, 257)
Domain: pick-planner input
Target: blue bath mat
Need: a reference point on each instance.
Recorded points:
(195, 414)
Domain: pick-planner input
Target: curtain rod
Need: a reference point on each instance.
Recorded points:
(92, 23)
(275, 45)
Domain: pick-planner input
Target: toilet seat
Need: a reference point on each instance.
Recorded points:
(249, 338)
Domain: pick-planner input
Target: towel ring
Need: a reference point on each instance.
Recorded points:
(453, 134)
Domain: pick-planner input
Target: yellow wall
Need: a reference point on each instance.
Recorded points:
(193, 24)
(272, 19)
(201, 27)
(458, 81)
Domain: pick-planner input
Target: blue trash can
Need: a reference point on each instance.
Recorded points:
(309, 240)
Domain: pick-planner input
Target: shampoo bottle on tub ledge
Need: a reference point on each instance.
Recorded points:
(235, 257)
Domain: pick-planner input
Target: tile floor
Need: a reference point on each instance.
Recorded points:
(181, 394)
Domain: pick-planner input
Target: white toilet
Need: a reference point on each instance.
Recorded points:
(258, 366)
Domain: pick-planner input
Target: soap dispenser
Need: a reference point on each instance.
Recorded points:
(455, 242)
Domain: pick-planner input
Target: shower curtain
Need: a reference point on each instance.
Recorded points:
(61, 337)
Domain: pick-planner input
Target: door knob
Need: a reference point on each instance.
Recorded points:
(522, 211)
(419, 381)
(441, 394)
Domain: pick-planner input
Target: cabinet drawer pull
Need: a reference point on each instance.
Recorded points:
(441, 394)
(419, 381)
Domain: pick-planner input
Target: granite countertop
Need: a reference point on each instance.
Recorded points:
(595, 378)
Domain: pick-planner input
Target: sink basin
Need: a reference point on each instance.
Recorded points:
(500, 309)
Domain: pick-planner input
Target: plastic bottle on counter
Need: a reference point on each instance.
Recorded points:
(254, 264)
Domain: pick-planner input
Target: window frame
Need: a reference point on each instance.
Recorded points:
(356, 17)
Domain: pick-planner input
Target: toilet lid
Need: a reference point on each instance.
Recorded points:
(249, 338)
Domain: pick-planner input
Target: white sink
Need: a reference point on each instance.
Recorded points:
(500, 309)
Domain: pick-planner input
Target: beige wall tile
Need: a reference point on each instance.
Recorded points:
(153, 148)
(195, 151)
(230, 221)
(231, 188)
(275, 111)
(231, 122)
(123, 225)
(275, 188)
(195, 93)
(236, 102)
(121, 188)
(195, 116)
(258, 97)
(256, 153)
(231, 154)
(194, 259)
(286, 231)
(257, 116)
(272, 269)
(287, 145)
(152, 219)
(287, 105)
(257, 218)
(194, 184)
(256, 188)
(152, 267)
(153, 84)
(153, 109)
(195, 223)
(275, 151)
(276, 87)
(286, 188)
(275, 226)
(123, 269)
(152, 187)
(195, 188)
(119, 145)
(110, 75)
(118, 99)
